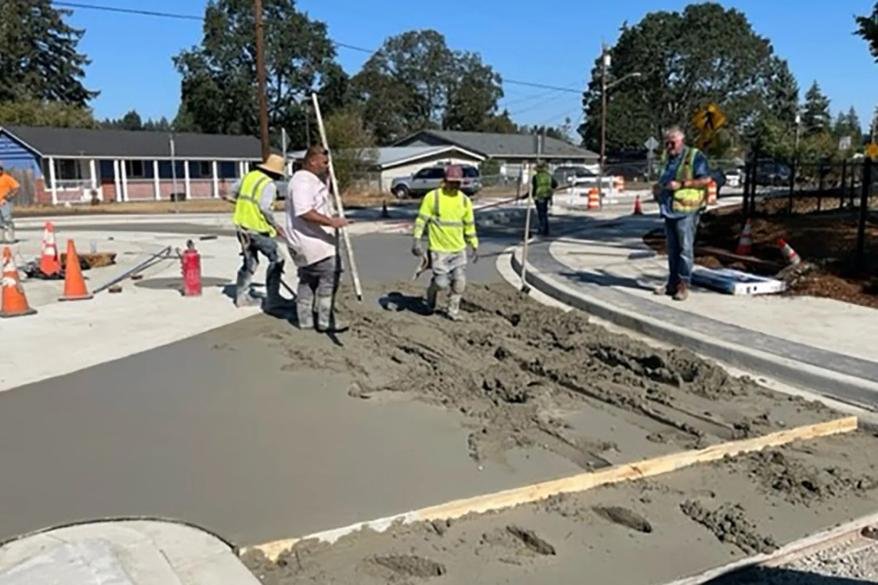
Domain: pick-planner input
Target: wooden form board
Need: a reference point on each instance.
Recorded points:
(577, 483)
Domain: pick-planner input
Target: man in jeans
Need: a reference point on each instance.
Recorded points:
(8, 189)
(681, 193)
(312, 244)
(256, 229)
(542, 189)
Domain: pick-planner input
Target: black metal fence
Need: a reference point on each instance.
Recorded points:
(816, 186)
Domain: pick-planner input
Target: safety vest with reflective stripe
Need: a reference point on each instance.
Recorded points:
(248, 214)
(690, 199)
(543, 185)
(449, 220)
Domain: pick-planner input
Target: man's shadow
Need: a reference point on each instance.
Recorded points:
(397, 301)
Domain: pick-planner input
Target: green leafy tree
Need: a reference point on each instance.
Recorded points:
(867, 27)
(704, 54)
(815, 115)
(473, 92)
(499, 123)
(415, 81)
(39, 113)
(38, 54)
(353, 147)
(219, 76)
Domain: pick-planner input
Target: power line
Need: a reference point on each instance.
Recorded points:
(193, 17)
(128, 10)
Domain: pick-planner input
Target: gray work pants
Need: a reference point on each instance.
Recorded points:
(449, 272)
(317, 285)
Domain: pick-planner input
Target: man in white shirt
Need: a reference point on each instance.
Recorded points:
(312, 242)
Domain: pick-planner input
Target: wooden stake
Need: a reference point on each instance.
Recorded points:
(577, 483)
(333, 186)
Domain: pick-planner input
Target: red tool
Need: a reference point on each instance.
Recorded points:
(191, 265)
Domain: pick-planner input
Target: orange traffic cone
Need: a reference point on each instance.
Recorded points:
(594, 199)
(49, 263)
(638, 209)
(791, 256)
(745, 243)
(14, 301)
(74, 284)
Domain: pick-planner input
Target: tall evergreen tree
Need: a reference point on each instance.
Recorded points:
(815, 116)
(38, 54)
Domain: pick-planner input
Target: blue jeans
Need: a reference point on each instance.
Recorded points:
(252, 245)
(680, 234)
(543, 215)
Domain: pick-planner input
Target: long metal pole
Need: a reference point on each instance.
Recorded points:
(603, 124)
(530, 199)
(174, 196)
(337, 197)
(260, 80)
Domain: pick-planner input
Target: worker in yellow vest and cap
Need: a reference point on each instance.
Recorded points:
(681, 193)
(447, 215)
(256, 230)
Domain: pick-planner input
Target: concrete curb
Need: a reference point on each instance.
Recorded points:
(859, 392)
(125, 552)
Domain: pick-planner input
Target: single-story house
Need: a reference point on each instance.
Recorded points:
(390, 162)
(510, 150)
(78, 165)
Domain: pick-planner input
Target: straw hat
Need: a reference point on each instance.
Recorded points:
(273, 164)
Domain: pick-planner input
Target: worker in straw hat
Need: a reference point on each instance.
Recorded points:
(446, 214)
(256, 229)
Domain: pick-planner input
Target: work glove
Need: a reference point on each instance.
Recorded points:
(475, 256)
(417, 248)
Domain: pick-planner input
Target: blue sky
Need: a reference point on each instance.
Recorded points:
(552, 42)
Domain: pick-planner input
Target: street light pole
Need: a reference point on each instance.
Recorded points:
(260, 80)
(605, 88)
(605, 63)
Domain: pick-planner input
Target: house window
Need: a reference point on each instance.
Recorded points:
(135, 169)
(205, 169)
(68, 170)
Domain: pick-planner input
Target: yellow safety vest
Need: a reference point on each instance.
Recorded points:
(543, 185)
(690, 199)
(450, 220)
(248, 214)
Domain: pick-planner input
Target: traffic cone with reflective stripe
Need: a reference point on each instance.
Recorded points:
(49, 263)
(638, 209)
(74, 283)
(791, 256)
(14, 302)
(745, 243)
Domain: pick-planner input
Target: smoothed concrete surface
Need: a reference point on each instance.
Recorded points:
(134, 552)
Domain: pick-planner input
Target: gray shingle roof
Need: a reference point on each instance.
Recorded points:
(134, 144)
(497, 145)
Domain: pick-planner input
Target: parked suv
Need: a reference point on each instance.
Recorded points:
(429, 178)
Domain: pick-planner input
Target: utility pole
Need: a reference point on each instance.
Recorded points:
(260, 80)
(605, 63)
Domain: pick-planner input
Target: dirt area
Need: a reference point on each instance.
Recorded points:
(825, 240)
(527, 377)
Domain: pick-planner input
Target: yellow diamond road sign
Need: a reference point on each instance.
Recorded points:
(872, 151)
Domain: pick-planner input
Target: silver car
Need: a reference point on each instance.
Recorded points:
(429, 178)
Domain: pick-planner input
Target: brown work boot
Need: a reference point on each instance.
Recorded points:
(682, 292)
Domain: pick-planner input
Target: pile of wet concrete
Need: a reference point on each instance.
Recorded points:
(527, 377)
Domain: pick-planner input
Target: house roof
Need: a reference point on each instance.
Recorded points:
(391, 156)
(499, 145)
(80, 142)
